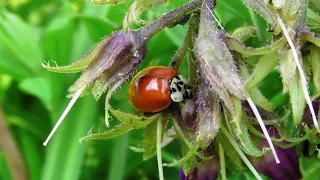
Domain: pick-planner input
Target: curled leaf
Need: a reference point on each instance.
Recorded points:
(137, 7)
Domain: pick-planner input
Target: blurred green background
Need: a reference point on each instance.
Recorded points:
(32, 99)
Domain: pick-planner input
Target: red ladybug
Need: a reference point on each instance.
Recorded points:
(153, 89)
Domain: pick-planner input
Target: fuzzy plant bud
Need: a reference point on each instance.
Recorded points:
(215, 60)
(106, 67)
(201, 115)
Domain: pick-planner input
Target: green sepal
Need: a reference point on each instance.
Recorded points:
(240, 131)
(75, 67)
(134, 121)
(187, 157)
(254, 92)
(315, 65)
(243, 33)
(287, 67)
(263, 68)
(241, 48)
(297, 100)
(129, 122)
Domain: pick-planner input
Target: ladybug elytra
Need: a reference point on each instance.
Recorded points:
(154, 88)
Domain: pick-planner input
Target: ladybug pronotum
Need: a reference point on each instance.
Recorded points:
(154, 88)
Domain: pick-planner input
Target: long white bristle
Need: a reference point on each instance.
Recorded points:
(264, 129)
(64, 114)
(301, 72)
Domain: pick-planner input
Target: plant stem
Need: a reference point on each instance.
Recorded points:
(222, 163)
(303, 78)
(143, 34)
(186, 45)
(241, 154)
(159, 157)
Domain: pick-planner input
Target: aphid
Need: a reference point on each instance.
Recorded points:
(154, 88)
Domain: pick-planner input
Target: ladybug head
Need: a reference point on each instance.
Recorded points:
(179, 89)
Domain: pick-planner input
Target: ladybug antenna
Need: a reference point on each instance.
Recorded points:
(64, 114)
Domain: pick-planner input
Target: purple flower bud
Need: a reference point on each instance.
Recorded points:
(209, 171)
(116, 60)
(287, 169)
(107, 66)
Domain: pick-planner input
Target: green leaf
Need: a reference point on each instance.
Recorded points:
(15, 36)
(38, 87)
(4, 168)
(297, 100)
(118, 165)
(34, 158)
(105, 2)
(287, 67)
(58, 37)
(150, 140)
(263, 68)
(97, 28)
(310, 168)
(64, 150)
(315, 65)
(314, 5)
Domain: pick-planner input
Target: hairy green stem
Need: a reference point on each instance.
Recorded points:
(222, 163)
(186, 45)
(143, 34)
(241, 154)
(159, 157)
